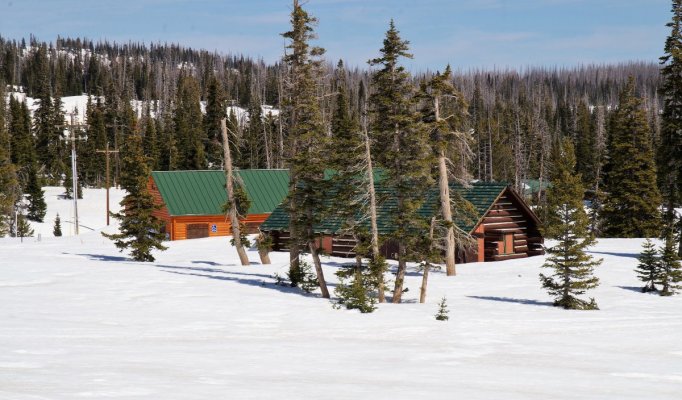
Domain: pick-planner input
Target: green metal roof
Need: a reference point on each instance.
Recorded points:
(203, 192)
(480, 195)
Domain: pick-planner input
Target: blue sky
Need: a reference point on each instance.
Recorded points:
(464, 33)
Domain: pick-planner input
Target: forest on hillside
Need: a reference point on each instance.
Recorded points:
(513, 115)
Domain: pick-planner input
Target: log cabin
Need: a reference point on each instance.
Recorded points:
(191, 202)
(502, 227)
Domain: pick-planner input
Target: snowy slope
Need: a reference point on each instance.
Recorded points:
(91, 210)
(79, 320)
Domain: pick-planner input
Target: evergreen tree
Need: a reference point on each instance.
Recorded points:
(215, 112)
(633, 199)
(307, 141)
(9, 184)
(567, 223)
(648, 269)
(21, 142)
(670, 153)
(189, 130)
(150, 141)
(57, 230)
(35, 195)
(670, 271)
(402, 148)
(442, 314)
(252, 145)
(140, 230)
(356, 295)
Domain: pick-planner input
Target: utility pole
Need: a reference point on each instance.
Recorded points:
(106, 152)
(74, 169)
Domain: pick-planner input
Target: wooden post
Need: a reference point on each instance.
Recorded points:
(232, 212)
(106, 152)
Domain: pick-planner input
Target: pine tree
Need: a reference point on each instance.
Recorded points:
(402, 148)
(354, 287)
(670, 153)
(140, 230)
(215, 112)
(307, 141)
(451, 148)
(648, 269)
(252, 145)
(189, 129)
(9, 183)
(57, 231)
(633, 199)
(567, 223)
(670, 271)
(35, 195)
(21, 142)
(442, 314)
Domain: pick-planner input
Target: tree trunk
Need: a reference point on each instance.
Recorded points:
(234, 221)
(318, 270)
(373, 218)
(425, 279)
(400, 274)
(427, 266)
(262, 251)
(447, 215)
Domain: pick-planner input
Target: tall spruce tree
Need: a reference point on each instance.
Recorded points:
(402, 149)
(140, 230)
(670, 153)
(9, 184)
(215, 112)
(189, 129)
(307, 141)
(35, 195)
(631, 208)
(567, 223)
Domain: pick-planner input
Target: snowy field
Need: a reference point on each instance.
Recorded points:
(79, 320)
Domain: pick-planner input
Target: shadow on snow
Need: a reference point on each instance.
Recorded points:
(512, 300)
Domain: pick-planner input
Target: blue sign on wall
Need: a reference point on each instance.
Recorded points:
(214, 228)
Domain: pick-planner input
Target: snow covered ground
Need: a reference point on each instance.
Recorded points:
(79, 320)
(91, 210)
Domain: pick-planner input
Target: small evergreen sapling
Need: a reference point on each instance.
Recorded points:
(649, 267)
(57, 226)
(356, 294)
(442, 314)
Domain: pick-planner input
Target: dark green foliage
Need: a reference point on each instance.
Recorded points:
(648, 269)
(442, 314)
(303, 277)
(252, 146)
(632, 203)
(670, 153)
(243, 203)
(189, 130)
(57, 230)
(670, 274)
(355, 286)
(401, 146)
(215, 112)
(140, 230)
(306, 133)
(9, 183)
(567, 223)
(35, 195)
(22, 143)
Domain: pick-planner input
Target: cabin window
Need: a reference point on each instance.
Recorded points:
(508, 243)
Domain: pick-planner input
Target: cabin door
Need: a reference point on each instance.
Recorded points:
(196, 231)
